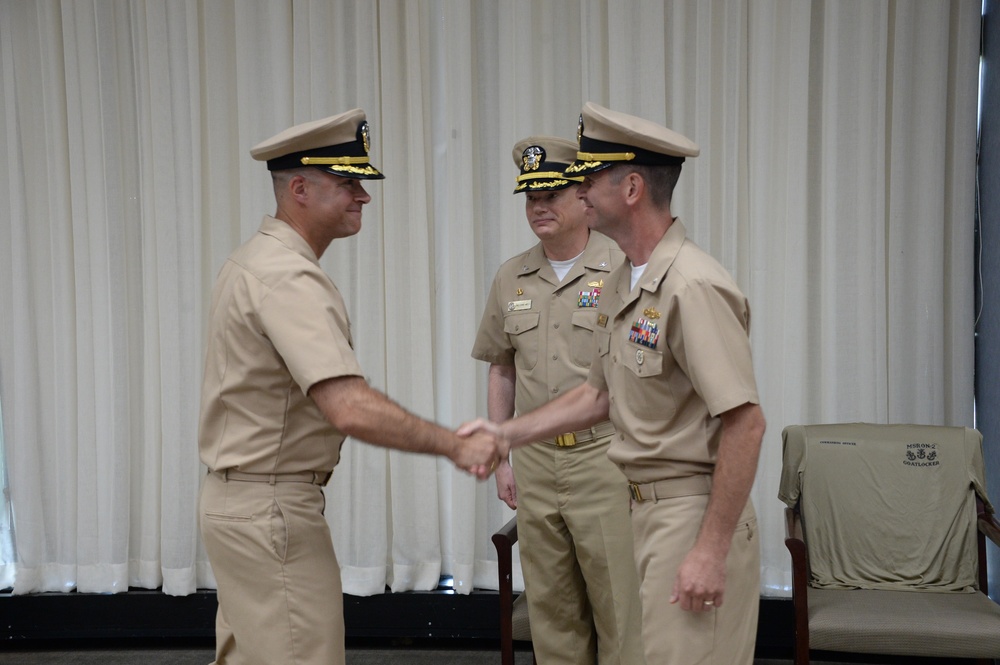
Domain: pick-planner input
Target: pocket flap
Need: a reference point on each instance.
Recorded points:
(515, 324)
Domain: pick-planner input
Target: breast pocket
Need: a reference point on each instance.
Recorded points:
(646, 385)
(523, 331)
(582, 343)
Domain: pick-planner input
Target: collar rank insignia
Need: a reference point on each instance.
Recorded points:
(650, 313)
(645, 333)
(602, 264)
(532, 158)
(597, 282)
(588, 298)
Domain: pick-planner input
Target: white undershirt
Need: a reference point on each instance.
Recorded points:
(637, 274)
(563, 267)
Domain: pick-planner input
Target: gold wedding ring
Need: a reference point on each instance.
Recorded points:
(710, 602)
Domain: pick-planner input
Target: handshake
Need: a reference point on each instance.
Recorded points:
(480, 446)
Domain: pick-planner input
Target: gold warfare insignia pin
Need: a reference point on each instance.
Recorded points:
(532, 158)
(602, 320)
(597, 282)
(520, 292)
(650, 313)
(366, 137)
(579, 130)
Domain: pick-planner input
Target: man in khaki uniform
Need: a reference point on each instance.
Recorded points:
(537, 334)
(282, 389)
(673, 370)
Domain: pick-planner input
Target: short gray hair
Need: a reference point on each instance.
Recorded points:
(281, 178)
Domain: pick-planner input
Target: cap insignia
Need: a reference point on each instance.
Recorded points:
(365, 136)
(532, 158)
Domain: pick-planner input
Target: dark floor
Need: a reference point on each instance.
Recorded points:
(360, 651)
(412, 654)
(204, 656)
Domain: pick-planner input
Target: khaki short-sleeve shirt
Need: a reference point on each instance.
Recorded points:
(542, 326)
(674, 353)
(277, 326)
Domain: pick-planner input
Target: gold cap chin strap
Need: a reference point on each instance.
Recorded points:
(331, 161)
(544, 174)
(605, 156)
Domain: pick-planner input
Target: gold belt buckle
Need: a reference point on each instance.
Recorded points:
(633, 490)
(566, 440)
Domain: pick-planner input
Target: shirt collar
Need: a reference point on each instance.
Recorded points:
(288, 237)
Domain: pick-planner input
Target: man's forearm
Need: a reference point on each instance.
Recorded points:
(360, 411)
(581, 407)
(500, 393)
(736, 467)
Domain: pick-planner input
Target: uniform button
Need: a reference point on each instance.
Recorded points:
(555, 390)
(556, 325)
(621, 437)
(555, 356)
(516, 328)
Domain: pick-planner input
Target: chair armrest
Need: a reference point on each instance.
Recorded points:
(796, 545)
(506, 535)
(504, 540)
(793, 524)
(989, 526)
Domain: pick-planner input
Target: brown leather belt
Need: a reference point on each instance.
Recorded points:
(313, 477)
(671, 488)
(570, 439)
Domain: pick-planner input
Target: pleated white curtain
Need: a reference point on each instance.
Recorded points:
(836, 182)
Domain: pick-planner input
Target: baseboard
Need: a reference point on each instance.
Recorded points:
(440, 615)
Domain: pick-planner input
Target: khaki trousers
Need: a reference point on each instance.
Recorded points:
(664, 532)
(280, 599)
(576, 555)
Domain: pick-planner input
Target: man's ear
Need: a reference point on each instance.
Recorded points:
(633, 186)
(298, 187)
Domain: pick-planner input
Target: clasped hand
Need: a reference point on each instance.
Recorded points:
(483, 446)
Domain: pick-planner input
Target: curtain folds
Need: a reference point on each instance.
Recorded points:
(836, 183)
